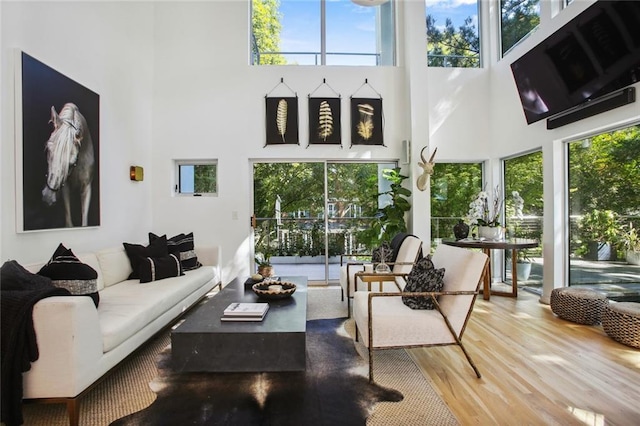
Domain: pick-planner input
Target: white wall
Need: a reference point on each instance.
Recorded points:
(107, 47)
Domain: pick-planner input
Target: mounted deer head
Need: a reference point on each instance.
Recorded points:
(427, 169)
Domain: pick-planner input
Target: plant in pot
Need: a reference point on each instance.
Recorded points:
(390, 219)
(631, 241)
(600, 232)
(484, 211)
(264, 250)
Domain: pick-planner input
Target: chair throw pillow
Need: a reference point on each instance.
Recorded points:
(67, 271)
(137, 253)
(158, 268)
(424, 277)
(183, 246)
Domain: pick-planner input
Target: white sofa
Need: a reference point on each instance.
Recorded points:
(78, 343)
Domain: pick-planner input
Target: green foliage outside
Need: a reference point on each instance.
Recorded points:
(301, 190)
(452, 47)
(204, 179)
(265, 32)
(453, 187)
(519, 18)
(604, 176)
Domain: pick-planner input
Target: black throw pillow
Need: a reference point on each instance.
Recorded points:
(137, 253)
(183, 246)
(67, 271)
(424, 277)
(158, 268)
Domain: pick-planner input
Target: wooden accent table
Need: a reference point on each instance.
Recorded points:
(512, 244)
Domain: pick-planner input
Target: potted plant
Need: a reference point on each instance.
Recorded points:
(523, 265)
(390, 218)
(485, 213)
(265, 249)
(599, 231)
(631, 241)
(263, 261)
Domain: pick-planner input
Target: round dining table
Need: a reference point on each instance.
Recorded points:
(486, 246)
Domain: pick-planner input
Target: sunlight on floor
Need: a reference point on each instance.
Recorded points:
(552, 359)
(587, 417)
(632, 356)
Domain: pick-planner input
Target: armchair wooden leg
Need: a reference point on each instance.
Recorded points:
(469, 359)
(73, 411)
(370, 363)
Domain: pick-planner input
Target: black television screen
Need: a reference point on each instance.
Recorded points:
(596, 53)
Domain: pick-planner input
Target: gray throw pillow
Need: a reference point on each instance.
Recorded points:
(424, 277)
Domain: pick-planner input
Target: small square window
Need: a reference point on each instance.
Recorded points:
(196, 177)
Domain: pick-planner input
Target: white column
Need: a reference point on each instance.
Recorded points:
(412, 21)
(555, 222)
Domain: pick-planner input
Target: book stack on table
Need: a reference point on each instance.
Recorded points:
(245, 312)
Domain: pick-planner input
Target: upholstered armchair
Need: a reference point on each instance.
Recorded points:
(384, 321)
(408, 250)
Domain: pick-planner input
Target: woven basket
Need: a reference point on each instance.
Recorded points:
(621, 321)
(580, 305)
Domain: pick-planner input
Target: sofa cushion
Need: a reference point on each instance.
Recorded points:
(67, 271)
(424, 277)
(182, 245)
(158, 268)
(137, 253)
(114, 264)
(128, 307)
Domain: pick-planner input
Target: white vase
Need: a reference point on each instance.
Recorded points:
(490, 233)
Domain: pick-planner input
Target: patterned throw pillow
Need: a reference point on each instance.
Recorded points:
(384, 253)
(66, 271)
(137, 253)
(158, 268)
(181, 245)
(424, 277)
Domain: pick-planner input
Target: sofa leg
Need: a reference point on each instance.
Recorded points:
(73, 411)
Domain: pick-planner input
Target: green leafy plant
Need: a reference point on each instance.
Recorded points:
(600, 225)
(631, 239)
(390, 218)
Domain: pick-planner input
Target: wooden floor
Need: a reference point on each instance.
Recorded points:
(536, 369)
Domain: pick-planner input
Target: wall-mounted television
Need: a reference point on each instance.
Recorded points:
(594, 54)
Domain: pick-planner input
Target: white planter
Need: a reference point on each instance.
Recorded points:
(633, 257)
(523, 270)
(490, 233)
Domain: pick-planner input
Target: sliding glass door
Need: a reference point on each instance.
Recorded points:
(308, 213)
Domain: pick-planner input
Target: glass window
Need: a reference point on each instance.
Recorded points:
(322, 32)
(453, 37)
(517, 19)
(604, 210)
(453, 187)
(196, 177)
(523, 201)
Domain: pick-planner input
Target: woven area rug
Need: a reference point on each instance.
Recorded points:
(127, 389)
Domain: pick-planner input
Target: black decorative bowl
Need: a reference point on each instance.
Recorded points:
(274, 289)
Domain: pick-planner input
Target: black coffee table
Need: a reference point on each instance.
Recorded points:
(204, 343)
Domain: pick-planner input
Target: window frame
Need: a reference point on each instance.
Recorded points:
(178, 163)
(383, 43)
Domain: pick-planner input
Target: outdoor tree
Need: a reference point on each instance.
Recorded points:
(451, 47)
(604, 173)
(265, 32)
(519, 18)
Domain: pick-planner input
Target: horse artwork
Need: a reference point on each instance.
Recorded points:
(70, 161)
(59, 146)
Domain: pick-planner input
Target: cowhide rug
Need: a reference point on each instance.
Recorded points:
(334, 390)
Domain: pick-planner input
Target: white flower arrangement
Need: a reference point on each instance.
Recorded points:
(479, 211)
